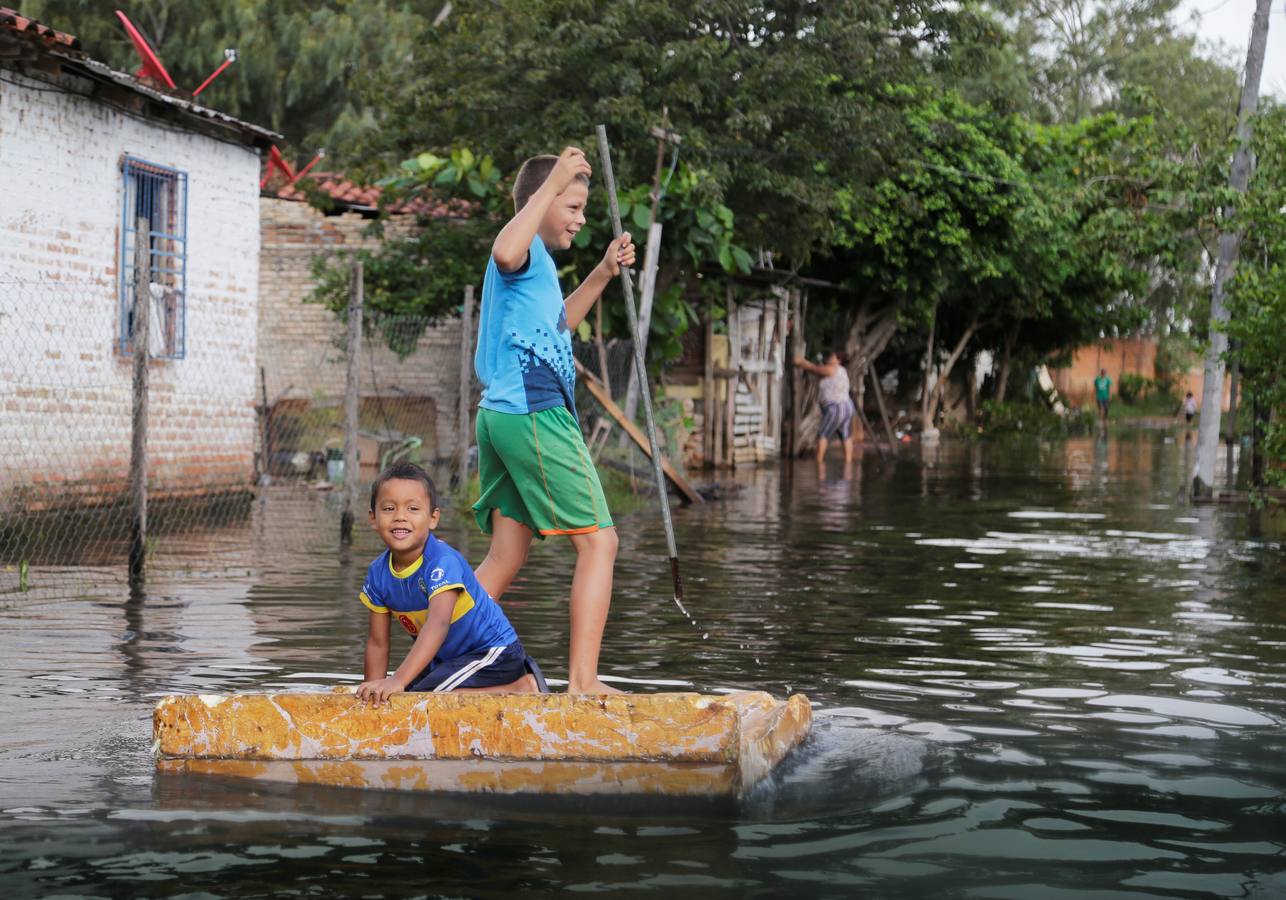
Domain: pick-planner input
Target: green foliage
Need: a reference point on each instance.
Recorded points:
(779, 103)
(1134, 388)
(1257, 294)
(998, 419)
(298, 60)
(416, 280)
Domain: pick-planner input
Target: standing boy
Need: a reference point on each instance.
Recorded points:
(536, 474)
(463, 641)
(1103, 392)
(1189, 407)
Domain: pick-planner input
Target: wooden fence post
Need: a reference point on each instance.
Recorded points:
(708, 458)
(466, 389)
(353, 348)
(140, 330)
(734, 366)
(796, 373)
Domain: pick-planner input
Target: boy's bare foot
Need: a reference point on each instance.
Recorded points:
(524, 685)
(593, 687)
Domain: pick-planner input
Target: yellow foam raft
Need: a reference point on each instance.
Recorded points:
(671, 744)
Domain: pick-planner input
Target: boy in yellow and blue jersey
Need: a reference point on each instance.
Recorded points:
(463, 640)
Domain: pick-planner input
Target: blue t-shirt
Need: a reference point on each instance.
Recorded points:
(524, 358)
(477, 622)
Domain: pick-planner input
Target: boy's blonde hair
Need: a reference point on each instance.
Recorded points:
(532, 175)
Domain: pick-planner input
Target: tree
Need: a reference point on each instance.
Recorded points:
(1229, 240)
(297, 64)
(416, 280)
(1257, 297)
(768, 96)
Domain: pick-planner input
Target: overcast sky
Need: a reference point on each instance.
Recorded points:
(1228, 21)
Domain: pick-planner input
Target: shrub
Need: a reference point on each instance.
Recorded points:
(1134, 388)
(996, 419)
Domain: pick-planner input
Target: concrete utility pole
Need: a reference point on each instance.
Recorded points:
(1203, 476)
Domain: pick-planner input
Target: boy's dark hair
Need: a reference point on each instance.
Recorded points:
(409, 472)
(532, 175)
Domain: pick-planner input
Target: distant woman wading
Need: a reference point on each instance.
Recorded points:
(837, 404)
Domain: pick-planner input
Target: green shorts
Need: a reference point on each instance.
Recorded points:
(535, 468)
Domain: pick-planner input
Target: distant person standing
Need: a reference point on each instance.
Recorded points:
(1189, 407)
(837, 405)
(1103, 392)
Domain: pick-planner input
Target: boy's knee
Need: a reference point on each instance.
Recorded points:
(603, 541)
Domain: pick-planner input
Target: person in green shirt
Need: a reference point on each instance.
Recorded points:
(1103, 392)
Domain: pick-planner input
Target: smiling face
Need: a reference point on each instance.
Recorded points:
(404, 517)
(565, 217)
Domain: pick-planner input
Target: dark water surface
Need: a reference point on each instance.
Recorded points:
(1038, 673)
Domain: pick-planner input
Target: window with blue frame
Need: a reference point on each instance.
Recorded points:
(160, 195)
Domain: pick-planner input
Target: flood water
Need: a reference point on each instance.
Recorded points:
(1037, 673)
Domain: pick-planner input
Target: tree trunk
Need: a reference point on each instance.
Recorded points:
(940, 389)
(926, 422)
(1243, 163)
(1234, 383)
(1006, 360)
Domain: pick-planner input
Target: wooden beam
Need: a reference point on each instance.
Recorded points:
(605, 400)
(708, 389)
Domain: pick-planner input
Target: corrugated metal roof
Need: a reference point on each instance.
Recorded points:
(65, 48)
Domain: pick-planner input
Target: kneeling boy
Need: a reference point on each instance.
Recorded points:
(463, 641)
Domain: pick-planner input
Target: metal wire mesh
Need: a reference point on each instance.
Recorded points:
(219, 445)
(245, 427)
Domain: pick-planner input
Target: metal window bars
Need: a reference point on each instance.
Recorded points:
(159, 194)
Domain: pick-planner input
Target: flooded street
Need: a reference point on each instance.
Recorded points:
(1037, 671)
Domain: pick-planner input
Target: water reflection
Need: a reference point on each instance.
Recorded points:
(1038, 673)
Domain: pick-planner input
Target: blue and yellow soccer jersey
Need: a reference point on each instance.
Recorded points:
(524, 356)
(477, 622)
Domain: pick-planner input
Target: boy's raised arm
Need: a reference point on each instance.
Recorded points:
(513, 242)
(620, 252)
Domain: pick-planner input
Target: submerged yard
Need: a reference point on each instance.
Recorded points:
(1037, 672)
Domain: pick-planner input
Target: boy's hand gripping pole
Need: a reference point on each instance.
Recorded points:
(627, 286)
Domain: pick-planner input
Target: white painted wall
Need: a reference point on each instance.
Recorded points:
(64, 390)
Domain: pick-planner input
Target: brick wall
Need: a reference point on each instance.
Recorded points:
(301, 344)
(1120, 356)
(64, 390)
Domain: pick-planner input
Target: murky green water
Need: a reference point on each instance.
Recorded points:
(1038, 673)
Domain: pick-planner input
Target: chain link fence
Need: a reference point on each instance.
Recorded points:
(216, 438)
(240, 419)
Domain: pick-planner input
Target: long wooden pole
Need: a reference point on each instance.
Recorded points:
(355, 299)
(139, 333)
(627, 287)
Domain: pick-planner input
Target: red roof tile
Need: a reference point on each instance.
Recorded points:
(13, 21)
(367, 197)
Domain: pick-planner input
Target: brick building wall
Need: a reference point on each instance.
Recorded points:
(65, 391)
(1121, 356)
(301, 344)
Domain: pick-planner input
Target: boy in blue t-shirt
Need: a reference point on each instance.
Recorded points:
(536, 475)
(463, 641)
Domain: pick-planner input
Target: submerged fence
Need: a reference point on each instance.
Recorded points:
(107, 452)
